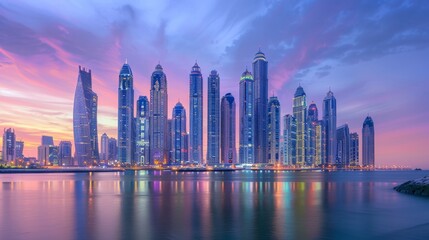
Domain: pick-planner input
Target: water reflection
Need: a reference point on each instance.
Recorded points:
(170, 205)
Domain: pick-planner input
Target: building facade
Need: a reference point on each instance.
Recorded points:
(289, 140)
(273, 130)
(19, 150)
(158, 129)
(330, 128)
(65, 154)
(113, 149)
(104, 147)
(354, 149)
(368, 143)
(126, 115)
(260, 74)
(300, 115)
(179, 135)
(142, 131)
(343, 146)
(9, 146)
(227, 126)
(213, 118)
(84, 121)
(196, 115)
(247, 119)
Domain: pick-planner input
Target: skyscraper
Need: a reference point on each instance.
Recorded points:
(47, 140)
(126, 115)
(343, 145)
(113, 149)
(247, 119)
(65, 153)
(330, 128)
(142, 131)
(368, 142)
(227, 125)
(19, 149)
(354, 149)
(312, 124)
(169, 141)
(179, 138)
(300, 114)
(9, 146)
(260, 73)
(289, 140)
(158, 117)
(104, 147)
(48, 155)
(274, 130)
(85, 120)
(213, 118)
(196, 114)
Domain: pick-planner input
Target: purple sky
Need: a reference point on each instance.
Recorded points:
(373, 55)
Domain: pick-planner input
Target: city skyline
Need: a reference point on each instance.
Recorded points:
(355, 81)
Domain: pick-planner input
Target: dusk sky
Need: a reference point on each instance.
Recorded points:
(374, 56)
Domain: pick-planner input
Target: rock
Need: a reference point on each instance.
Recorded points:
(416, 187)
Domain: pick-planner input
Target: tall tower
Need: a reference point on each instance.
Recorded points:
(247, 119)
(354, 149)
(274, 130)
(196, 114)
(213, 118)
(64, 153)
(125, 115)
(113, 149)
(158, 132)
(368, 143)
(312, 128)
(289, 140)
(142, 131)
(343, 145)
(260, 73)
(9, 141)
(85, 120)
(300, 114)
(330, 128)
(179, 138)
(104, 147)
(228, 149)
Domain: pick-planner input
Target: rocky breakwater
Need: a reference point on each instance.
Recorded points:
(418, 187)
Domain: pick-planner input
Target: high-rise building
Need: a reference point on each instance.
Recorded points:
(112, 149)
(312, 122)
(318, 146)
(289, 140)
(330, 128)
(104, 148)
(9, 146)
(47, 140)
(213, 118)
(273, 130)
(19, 150)
(85, 120)
(368, 143)
(247, 119)
(196, 114)
(170, 141)
(65, 154)
(158, 117)
(343, 145)
(179, 135)
(142, 131)
(48, 155)
(300, 115)
(126, 115)
(227, 126)
(260, 74)
(354, 149)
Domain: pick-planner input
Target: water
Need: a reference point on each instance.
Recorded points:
(230, 205)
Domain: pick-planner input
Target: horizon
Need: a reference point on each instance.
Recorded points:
(367, 70)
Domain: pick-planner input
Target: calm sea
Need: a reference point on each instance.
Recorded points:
(217, 205)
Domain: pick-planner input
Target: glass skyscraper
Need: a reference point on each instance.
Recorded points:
(368, 143)
(9, 146)
(213, 118)
(158, 130)
(343, 145)
(247, 119)
(196, 114)
(19, 149)
(274, 130)
(312, 122)
(104, 147)
(126, 115)
(260, 74)
(179, 135)
(300, 115)
(354, 149)
(65, 154)
(330, 128)
(85, 120)
(113, 149)
(142, 131)
(289, 140)
(227, 126)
